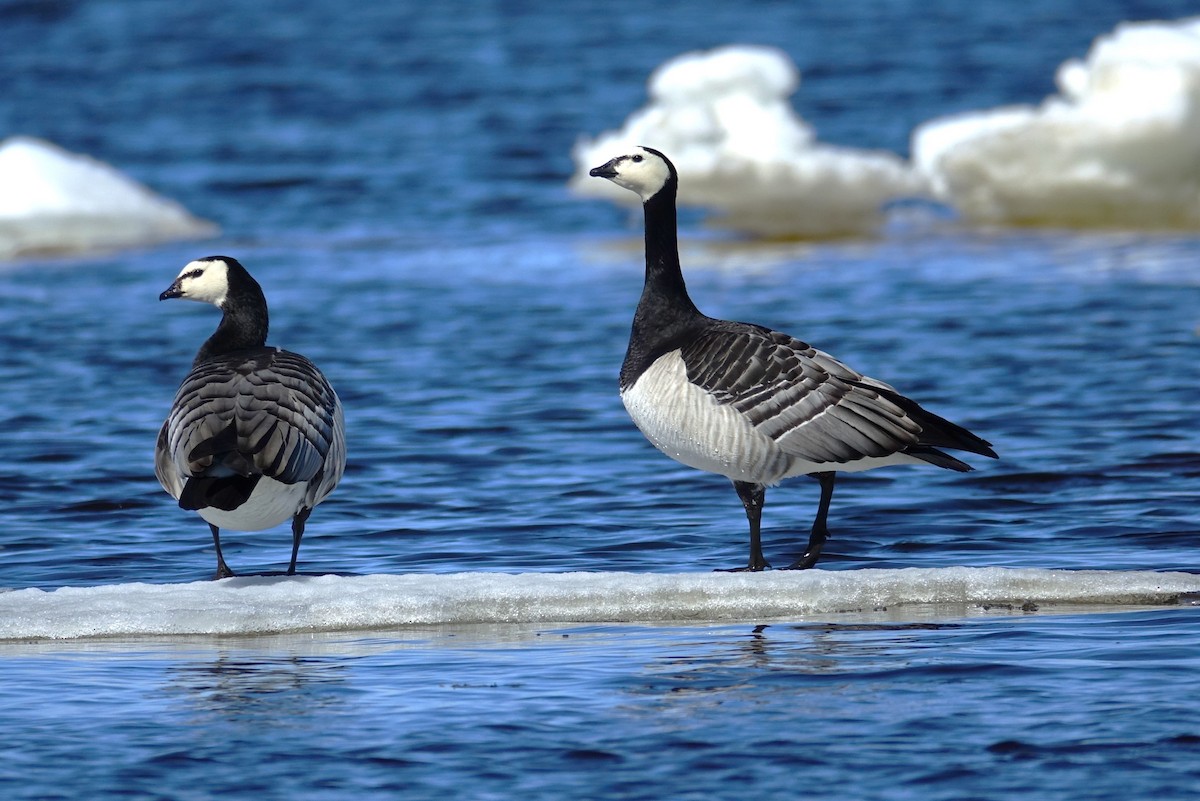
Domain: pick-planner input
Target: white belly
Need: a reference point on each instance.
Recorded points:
(270, 504)
(686, 423)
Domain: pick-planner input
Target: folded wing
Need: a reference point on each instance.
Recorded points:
(263, 413)
(814, 407)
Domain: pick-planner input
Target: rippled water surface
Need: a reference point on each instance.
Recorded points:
(999, 708)
(394, 178)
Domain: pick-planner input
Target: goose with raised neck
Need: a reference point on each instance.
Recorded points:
(749, 403)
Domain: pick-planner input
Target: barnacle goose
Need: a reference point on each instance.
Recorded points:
(255, 435)
(752, 404)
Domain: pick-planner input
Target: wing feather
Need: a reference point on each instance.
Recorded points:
(814, 407)
(287, 419)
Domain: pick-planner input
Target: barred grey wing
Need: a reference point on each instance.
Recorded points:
(284, 419)
(813, 406)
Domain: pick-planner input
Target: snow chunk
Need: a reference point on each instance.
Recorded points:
(277, 604)
(724, 120)
(56, 202)
(1118, 147)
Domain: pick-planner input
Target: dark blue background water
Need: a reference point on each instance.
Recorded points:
(394, 176)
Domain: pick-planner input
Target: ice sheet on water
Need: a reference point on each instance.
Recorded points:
(56, 202)
(259, 605)
(1119, 146)
(724, 119)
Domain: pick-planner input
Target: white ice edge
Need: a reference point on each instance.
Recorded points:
(267, 605)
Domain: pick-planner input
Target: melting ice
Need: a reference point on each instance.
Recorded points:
(261, 605)
(56, 202)
(724, 119)
(1118, 146)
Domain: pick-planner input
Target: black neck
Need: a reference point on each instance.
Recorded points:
(243, 325)
(664, 278)
(665, 314)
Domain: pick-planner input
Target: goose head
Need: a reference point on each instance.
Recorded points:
(642, 170)
(205, 280)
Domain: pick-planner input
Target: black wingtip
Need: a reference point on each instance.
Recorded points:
(936, 431)
(226, 493)
(938, 458)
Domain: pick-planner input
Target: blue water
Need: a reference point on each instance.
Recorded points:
(394, 176)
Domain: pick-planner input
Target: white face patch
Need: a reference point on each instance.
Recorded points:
(204, 281)
(641, 171)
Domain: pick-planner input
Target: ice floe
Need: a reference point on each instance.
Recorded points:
(1119, 146)
(55, 202)
(278, 604)
(724, 119)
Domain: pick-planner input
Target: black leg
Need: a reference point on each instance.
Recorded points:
(820, 531)
(752, 496)
(223, 570)
(297, 532)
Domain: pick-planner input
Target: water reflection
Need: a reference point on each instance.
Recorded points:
(817, 655)
(248, 685)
